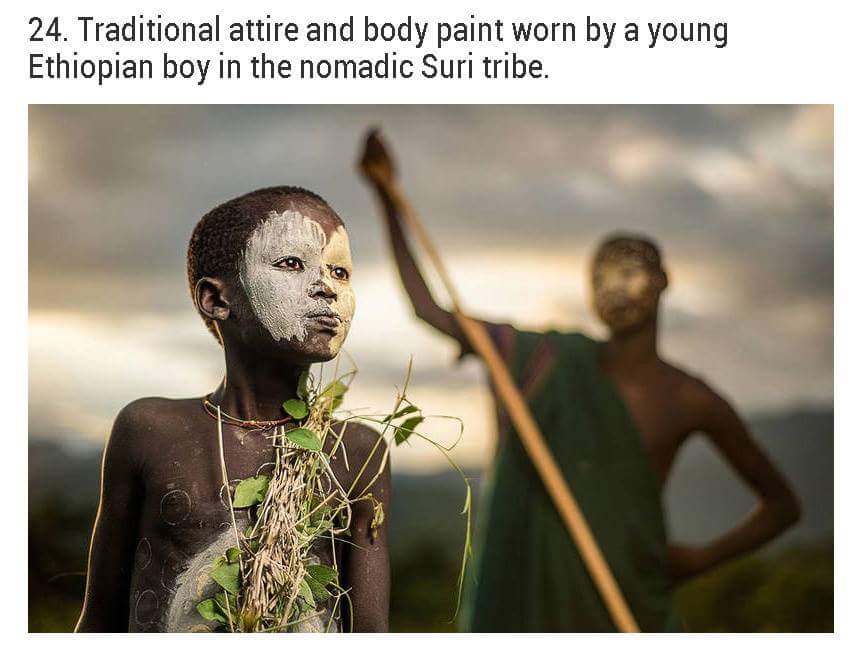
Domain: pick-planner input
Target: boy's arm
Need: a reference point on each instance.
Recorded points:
(112, 546)
(777, 508)
(378, 168)
(366, 570)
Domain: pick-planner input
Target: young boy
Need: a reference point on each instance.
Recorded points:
(270, 274)
(614, 415)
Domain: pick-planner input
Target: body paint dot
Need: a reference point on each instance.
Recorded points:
(175, 507)
(146, 608)
(143, 554)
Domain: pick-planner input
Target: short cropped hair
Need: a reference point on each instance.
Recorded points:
(221, 235)
(627, 244)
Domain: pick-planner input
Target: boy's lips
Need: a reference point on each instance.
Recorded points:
(325, 318)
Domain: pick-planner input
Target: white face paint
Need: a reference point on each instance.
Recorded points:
(286, 260)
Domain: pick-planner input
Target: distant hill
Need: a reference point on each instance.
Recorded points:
(704, 496)
(53, 470)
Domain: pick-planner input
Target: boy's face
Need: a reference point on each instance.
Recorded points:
(625, 291)
(296, 272)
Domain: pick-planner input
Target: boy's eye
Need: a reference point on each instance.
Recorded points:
(290, 263)
(340, 273)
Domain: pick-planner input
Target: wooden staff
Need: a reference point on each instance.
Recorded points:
(527, 429)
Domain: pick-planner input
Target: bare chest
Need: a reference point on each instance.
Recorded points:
(186, 523)
(659, 417)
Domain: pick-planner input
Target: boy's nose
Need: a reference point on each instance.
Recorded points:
(320, 290)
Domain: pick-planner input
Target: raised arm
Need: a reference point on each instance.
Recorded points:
(378, 168)
(777, 508)
(112, 546)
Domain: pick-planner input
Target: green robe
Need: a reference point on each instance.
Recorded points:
(528, 575)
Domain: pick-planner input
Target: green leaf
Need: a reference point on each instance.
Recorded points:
(305, 439)
(233, 554)
(378, 518)
(250, 491)
(331, 398)
(210, 610)
(336, 389)
(322, 513)
(319, 591)
(304, 385)
(295, 408)
(402, 413)
(305, 593)
(222, 602)
(322, 573)
(402, 432)
(227, 576)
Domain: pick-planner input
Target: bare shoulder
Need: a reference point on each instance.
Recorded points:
(360, 440)
(144, 421)
(150, 412)
(366, 456)
(697, 397)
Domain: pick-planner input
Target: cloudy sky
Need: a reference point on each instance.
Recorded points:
(740, 198)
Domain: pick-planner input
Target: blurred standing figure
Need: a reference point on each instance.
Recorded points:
(614, 415)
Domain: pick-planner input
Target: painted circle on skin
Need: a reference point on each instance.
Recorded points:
(143, 554)
(146, 608)
(226, 495)
(266, 468)
(173, 562)
(175, 507)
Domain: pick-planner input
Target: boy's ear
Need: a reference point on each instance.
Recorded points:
(663, 278)
(210, 298)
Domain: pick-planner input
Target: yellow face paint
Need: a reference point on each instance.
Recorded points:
(625, 291)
